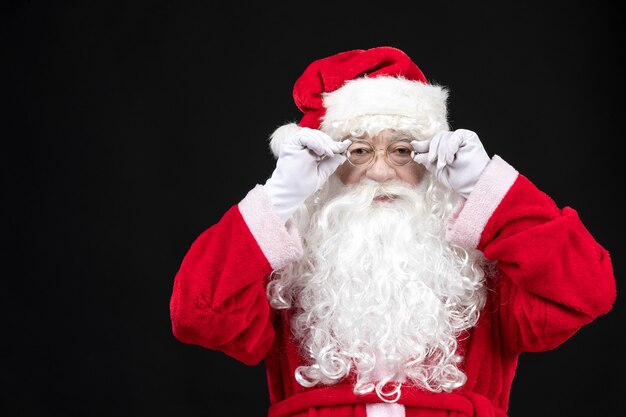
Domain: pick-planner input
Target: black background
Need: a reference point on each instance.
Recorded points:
(129, 127)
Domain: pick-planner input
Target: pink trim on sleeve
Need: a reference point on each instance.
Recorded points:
(280, 243)
(466, 224)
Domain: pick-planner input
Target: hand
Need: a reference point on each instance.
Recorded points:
(305, 161)
(457, 159)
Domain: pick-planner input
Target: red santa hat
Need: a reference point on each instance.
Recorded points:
(366, 90)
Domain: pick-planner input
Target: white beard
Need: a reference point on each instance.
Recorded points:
(379, 291)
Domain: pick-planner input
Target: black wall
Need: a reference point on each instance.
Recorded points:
(122, 136)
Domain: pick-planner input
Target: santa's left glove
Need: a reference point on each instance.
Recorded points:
(305, 161)
(457, 158)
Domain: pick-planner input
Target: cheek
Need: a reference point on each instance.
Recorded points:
(348, 174)
(413, 174)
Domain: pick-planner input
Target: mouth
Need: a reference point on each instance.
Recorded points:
(384, 198)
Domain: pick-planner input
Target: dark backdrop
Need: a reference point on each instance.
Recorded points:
(129, 127)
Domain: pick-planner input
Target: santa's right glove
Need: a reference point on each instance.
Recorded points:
(457, 159)
(305, 161)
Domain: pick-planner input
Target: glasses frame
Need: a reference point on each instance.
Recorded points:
(385, 151)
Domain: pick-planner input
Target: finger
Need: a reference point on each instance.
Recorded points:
(421, 146)
(335, 148)
(328, 165)
(435, 145)
(454, 144)
(451, 147)
(317, 145)
(329, 146)
(442, 152)
(341, 147)
(422, 158)
(441, 163)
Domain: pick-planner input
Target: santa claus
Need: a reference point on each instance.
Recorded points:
(389, 266)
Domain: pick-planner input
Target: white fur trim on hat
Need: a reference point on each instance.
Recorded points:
(405, 104)
(374, 104)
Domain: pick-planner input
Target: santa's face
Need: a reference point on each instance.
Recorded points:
(379, 292)
(382, 168)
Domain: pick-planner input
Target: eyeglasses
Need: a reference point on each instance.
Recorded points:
(361, 153)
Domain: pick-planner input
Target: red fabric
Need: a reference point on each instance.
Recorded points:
(553, 279)
(218, 299)
(328, 74)
(341, 400)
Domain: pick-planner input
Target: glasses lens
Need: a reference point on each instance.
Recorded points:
(360, 153)
(400, 153)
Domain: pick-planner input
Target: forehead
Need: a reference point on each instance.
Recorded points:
(387, 136)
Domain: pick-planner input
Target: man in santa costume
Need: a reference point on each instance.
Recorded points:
(389, 266)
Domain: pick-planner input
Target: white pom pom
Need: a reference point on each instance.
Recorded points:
(280, 134)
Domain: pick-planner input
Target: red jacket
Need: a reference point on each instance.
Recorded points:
(554, 278)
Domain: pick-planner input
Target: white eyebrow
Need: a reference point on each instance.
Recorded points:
(401, 136)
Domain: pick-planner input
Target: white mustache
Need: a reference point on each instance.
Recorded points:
(368, 190)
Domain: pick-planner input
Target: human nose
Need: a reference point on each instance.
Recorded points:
(380, 170)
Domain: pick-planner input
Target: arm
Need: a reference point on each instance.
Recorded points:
(554, 278)
(218, 299)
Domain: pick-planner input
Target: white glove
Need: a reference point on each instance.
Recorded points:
(457, 159)
(305, 161)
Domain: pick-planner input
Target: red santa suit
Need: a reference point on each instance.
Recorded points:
(553, 277)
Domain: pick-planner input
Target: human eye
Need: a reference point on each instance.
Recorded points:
(360, 153)
(401, 149)
(359, 148)
(400, 153)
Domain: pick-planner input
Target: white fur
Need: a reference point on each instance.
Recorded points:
(280, 134)
(423, 104)
(389, 102)
(378, 291)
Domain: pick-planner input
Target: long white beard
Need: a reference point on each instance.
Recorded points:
(379, 291)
